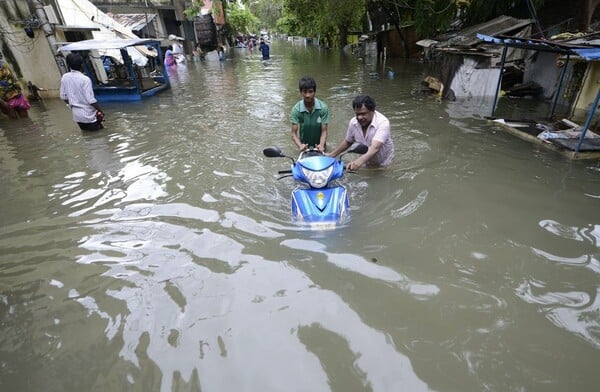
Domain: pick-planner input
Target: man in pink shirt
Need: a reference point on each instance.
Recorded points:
(370, 128)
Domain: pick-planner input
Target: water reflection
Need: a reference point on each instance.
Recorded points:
(199, 299)
(573, 310)
(369, 269)
(160, 254)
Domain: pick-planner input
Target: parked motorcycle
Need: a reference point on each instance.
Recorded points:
(318, 202)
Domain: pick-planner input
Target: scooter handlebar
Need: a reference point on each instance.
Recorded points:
(284, 171)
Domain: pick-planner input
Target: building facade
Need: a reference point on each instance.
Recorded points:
(33, 30)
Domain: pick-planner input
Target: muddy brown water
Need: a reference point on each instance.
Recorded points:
(159, 254)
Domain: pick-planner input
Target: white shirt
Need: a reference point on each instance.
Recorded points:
(379, 130)
(76, 88)
(177, 48)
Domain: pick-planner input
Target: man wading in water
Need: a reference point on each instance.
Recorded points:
(309, 118)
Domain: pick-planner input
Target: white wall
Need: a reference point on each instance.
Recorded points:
(472, 82)
(33, 56)
(542, 69)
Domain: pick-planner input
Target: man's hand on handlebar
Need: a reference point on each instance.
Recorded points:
(352, 166)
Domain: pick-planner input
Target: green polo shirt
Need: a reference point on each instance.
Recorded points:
(309, 123)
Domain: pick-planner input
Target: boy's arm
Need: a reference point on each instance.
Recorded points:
(296, 137)
(323, 138)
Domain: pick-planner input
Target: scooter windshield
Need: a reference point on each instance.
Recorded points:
(317, 163)
(317, 171)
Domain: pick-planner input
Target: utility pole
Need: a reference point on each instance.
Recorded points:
(146, 15)
(44, 24)
(180, 16)
(49, 33)
(179, 8)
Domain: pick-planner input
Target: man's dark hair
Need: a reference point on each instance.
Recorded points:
(75, 61)
(363, 100)
(307, 83)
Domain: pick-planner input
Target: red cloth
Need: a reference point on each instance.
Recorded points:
(19, 102)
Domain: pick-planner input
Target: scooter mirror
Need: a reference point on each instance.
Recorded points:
(273, 152)
(359, 149)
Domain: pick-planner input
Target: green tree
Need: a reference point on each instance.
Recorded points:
(301, 16)
(427, 16)
(194, 8)
(346, 15)
(288, 23)
(431, 17)
(479, 11)
(331, 20)
(268, 11)
(240, 20)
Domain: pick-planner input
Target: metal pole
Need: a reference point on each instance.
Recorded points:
(46, 27)
(560, 83)
(499, 80)
(146, 15)
(588, 120)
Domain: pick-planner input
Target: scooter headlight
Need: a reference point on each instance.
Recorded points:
(317, 179)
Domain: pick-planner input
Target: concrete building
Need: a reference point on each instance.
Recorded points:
(33, 30)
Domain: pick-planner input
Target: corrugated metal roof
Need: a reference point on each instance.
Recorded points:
(135, 22)
(524, 43)
(468, 36)
(587, 50)
(91, 44)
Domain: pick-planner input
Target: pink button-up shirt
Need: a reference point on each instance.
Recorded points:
(379, 130)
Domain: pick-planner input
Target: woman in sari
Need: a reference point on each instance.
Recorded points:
(12, 102)
(169, 58)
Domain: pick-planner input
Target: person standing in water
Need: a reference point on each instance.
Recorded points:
(169, 58)
(309, 117)
(264, 49)
(76, 90)
(370, 128)
(12, 101)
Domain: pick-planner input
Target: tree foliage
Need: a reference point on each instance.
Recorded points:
(241, 20)
(194, 8)
(329, 19)
(431, 17)
(480, 11)
(268, 11)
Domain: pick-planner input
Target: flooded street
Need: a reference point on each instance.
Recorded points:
(159, 254)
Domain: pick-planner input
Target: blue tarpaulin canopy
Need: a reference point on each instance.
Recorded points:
(590, 54)
(586, 52)
(525, 43)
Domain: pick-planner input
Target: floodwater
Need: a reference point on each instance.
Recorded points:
(159, 253)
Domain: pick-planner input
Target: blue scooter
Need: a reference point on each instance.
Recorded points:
(318, 203)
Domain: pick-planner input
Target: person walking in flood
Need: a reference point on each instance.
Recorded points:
(12, 101)
(177, 49)
(169, 57)
(309, 117)
(76, 90)
(221, 52)
(264, 49)
(370, 128)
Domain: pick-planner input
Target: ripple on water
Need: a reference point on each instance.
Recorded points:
(168, 240)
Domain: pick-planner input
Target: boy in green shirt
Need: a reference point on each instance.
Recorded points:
(309, 118)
